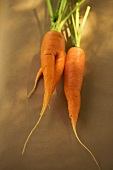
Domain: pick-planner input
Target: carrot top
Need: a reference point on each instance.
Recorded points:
(60, 16)
(77, 30)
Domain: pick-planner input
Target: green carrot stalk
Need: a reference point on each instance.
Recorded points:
(57, 17)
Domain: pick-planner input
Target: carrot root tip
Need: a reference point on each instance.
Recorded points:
(25, 144)
(36, 81)
(75, 132)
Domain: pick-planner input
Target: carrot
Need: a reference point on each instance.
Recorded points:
(52, 50)
(52, 56)
(73, 76)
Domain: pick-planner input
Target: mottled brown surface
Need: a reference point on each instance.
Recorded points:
(53, 145)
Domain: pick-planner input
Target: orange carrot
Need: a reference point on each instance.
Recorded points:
(74, 69)
(73, 77)
(53, 45)
(73, 74)
(52, 61)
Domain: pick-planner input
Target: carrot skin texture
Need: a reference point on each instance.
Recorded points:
(73, 78)
(53, 45)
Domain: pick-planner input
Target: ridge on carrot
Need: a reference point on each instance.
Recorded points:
(52, 55)
(73, 73)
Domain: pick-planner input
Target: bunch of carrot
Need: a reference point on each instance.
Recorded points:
(54, 62)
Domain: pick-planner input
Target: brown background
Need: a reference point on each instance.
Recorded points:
(53, 145)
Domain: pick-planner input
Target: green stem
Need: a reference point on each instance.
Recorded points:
(65, 9)
(71, 32)
(61, 7)
(75, 31)
(58, 5)
(60, 14)
(67, 17)
(77, 18)
(83, 23)
(50, 9)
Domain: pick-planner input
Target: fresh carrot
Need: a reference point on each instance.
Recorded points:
(52, 56)
(74, 69)
(52, 60)
(73, 75)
